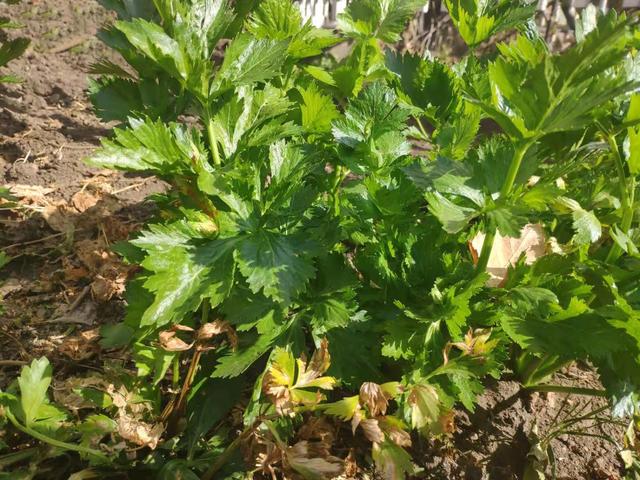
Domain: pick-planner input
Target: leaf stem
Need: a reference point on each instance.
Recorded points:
(341, 174)
(512, 174)
(213, 143)
(627, 194)
(180, 407)
(421, 127)
(52, 441)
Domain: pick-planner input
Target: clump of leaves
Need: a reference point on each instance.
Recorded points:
(305, 214)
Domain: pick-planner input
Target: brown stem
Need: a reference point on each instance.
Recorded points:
(180, 408)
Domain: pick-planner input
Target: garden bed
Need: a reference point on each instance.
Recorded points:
(65, 283)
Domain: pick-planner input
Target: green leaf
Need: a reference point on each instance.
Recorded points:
(534, 93)
(586, 225)
(236, 363)
(4, 259)
(183, 276)
(373, 129)
(151, 39)
(95, 427)
(428, 83)
(275, 19)
(382, 19)
(121, 98)
(249, 60)
(207, 21)
(587, 22)
(34, 382)
(582, 335)
(210, 402)
(127, 9)
(318, 110)
(149, 145)
(253, 117)
(623, 241)
(454, 218)
(477, 20)
(275, 264)
(446, 176)
(116, 336)
(423, 405)
(12, 49)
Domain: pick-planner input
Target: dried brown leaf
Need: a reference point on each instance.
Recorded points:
(351, 469)
(81, 346)
(31, 194)
(376, 400)
(302, 459)
(104, 289)
(66, 392)
(96, 258)
(139, 432)
(394, 429)
(215, 328)
(73, 273)
(60, 218)
(321, 360)
(372, 430)
(170, 342)
(84, 200)
(9, 286)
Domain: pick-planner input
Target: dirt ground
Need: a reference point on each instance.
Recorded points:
(69, 212)
(63, 282)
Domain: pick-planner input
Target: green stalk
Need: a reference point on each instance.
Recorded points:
(340, 175)
(420, 126)
(11, 458)
(626, 196)
(53, 442)
(213, 143)
(512, 174)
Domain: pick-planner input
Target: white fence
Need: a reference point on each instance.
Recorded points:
(323, 12)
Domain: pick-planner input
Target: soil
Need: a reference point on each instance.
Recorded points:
(63, 283)
(496, 441)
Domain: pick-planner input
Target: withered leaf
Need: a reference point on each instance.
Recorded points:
(170, 342)
(83, 200)
(81, 346)
(392, 462)
(376, 400)
(215, 328)
(60, 218)
(301, 459)
(394, 429)
(424, 404)
(372, 430)
(138, 432)
(287, 379)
